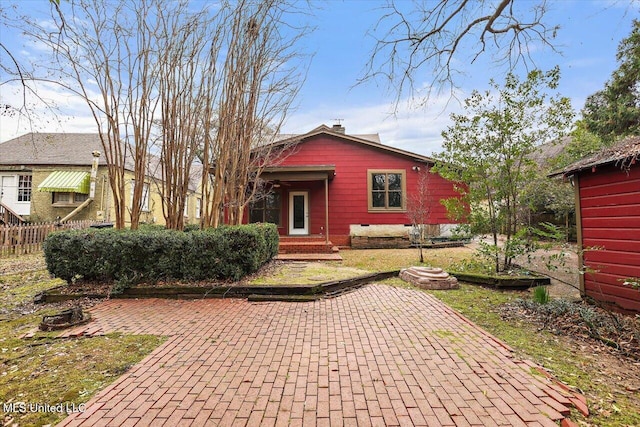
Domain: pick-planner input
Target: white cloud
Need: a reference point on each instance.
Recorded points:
(411, 129)
(53, 110)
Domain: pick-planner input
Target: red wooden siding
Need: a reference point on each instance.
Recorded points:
(348, 198)
(610, 215)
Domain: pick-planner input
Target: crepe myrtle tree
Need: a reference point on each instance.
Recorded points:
(489, 148)
(183, 79)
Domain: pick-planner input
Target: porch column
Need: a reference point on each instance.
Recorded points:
(326, 210)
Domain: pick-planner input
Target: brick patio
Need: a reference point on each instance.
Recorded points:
(377, 356)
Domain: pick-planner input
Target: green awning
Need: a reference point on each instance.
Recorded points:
(66, 182)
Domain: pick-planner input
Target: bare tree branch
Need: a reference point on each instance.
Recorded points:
(430, 43)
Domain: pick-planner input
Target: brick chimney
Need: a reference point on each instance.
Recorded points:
(338, 128)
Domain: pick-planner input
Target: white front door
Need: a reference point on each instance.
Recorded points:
(298, 212)
(8, 191)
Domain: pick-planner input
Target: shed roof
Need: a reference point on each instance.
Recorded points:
(623, 154)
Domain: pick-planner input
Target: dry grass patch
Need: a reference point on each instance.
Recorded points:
(305, 273)
(374, 260)
(46, 370)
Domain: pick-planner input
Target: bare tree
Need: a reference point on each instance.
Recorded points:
(430, 38)
(128, 59)
(188, 87)
(419, 206)
(261, 78)
(101, 53)
(12, 69)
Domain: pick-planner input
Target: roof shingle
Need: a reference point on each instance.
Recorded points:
(624, 154)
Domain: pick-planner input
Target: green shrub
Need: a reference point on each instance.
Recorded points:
(127, 257)
(191, 227)
(151, 227)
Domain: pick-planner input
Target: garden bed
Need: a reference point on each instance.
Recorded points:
(502, 282)
(292, 292)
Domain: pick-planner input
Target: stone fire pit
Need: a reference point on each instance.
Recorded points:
(429, 278)
(64, 319)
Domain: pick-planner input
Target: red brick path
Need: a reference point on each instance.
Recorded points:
(377, 356)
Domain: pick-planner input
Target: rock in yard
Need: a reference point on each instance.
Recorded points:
(429, 278)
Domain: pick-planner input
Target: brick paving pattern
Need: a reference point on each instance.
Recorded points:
(379, 356)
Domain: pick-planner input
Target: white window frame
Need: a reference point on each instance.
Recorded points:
(145, 196)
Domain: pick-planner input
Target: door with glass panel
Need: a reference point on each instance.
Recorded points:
(298, 213)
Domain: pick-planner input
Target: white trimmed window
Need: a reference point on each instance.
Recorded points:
(24, 188)
(145, 196)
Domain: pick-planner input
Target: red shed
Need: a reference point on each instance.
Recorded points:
(608, 222)
(347, 190)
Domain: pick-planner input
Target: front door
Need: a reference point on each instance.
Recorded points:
(298, 212)
(8, 191)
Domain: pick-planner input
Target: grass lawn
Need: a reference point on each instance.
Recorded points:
(305, 273)
(373, 260)
(48, 370)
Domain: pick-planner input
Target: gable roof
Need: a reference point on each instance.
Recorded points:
(72, 149)
(370, 140)
(623, 154)
(51, 149)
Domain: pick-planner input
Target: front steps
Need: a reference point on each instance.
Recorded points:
(305, 248)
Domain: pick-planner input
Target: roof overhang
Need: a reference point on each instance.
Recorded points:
(66, 182)
(298, 173)
(623, 155)
(325, 130)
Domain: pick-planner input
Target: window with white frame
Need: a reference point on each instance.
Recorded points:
(24, 188)
(145, 196)
(198, 202)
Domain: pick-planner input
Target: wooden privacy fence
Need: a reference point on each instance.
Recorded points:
(27, 238)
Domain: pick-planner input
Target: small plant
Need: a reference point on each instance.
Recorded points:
(541, 295)
(634, 282)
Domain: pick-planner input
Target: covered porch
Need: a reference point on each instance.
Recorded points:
(298, 201)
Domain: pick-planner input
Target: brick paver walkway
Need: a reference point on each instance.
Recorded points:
(377, 356)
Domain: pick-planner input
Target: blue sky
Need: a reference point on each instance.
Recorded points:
(590, 31)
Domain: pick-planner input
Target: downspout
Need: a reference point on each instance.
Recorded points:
(92, 188)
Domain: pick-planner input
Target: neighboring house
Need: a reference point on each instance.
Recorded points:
(607, 187)
(46, 176)
(349, 190)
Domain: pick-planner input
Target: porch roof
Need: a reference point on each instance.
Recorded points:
(299, 173)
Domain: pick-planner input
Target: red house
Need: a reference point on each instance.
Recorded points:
(336, 189)
(608, 223)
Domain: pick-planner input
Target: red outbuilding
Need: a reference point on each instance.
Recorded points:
(346, 190)
(608, 223)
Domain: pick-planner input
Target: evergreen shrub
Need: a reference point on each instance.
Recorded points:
(149, 255)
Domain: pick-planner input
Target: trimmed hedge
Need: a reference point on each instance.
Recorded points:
(131, 256)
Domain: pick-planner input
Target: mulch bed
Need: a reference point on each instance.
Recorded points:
(582, 321)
